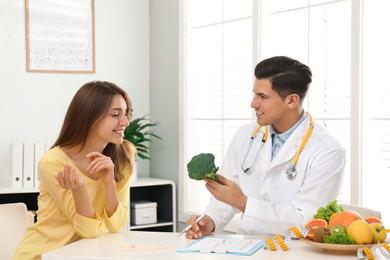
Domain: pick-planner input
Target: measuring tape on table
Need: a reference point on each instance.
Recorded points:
(277, 242)
(384, 249)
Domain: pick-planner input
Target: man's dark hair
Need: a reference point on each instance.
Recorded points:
(287, 76)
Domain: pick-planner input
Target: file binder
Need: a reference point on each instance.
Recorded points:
(28, 165)
(12, 174)
(40, 149)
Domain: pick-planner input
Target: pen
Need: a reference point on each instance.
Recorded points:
(190, 226)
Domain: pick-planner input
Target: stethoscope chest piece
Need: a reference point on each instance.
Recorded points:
(291, 172)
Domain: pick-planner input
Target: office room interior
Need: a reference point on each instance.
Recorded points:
(139, 46)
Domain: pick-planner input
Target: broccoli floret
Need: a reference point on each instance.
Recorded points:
(202, 166)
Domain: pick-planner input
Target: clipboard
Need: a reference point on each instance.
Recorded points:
(221, 245)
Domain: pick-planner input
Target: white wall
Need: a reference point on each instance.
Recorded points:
(164, 89)
(164, 86)
(33, 105)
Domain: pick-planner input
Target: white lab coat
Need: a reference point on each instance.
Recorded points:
(276, 203)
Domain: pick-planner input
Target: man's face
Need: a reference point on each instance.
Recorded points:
(269, 106)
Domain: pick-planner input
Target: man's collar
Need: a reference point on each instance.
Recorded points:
(285, 135)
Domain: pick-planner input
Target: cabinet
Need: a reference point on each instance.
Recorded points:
(163, 192)
(28, 196)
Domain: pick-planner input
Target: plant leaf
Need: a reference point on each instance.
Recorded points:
(138, 132)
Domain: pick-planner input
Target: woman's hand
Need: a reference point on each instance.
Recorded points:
(102, 166)
(69, 179)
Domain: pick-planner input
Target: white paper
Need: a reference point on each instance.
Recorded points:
(217, 244)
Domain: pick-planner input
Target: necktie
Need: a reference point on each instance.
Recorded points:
(277, 142)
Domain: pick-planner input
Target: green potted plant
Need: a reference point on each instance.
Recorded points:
(138, 133)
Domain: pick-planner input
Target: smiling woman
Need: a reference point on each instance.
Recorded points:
(110, 129)
(85, 177)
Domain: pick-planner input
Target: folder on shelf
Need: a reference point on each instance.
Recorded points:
(28, 165)
(12, 174)
(40, 149)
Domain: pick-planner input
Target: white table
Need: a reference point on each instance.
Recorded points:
(108, 245)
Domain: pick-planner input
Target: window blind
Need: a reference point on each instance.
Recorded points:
(376, 105)
(317, 34)
(220, 41)
(219, 85)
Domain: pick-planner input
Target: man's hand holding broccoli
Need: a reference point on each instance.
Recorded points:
(202, 166)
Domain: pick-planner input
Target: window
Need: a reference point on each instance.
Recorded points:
(319, 36)
(349, 95)
(219, 76)
(375, 106)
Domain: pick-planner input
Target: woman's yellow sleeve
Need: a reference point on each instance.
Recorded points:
(63, 199)
(118, 220)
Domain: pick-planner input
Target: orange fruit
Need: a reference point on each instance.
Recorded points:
(315, 222)
(332, 216)
(344, 218)
(373, 219)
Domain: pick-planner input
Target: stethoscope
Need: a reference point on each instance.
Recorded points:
(291, 171)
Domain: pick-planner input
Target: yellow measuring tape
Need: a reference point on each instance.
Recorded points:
(277, 242)
(384, 249)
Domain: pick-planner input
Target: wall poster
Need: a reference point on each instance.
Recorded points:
(60, 36)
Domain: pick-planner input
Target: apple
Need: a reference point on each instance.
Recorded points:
(377, 228)
(360, 231)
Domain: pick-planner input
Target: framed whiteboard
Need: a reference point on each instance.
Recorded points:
(60, 36)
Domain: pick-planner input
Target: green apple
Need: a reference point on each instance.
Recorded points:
(376, 230)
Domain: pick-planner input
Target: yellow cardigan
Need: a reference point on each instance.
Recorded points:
(58, 223)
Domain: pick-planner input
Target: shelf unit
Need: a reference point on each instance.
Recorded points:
(156, 190)
(28, 196)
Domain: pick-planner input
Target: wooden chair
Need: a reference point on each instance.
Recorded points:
(13, 223)
(364, 212)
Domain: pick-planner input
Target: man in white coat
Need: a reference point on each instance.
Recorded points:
(253, 178)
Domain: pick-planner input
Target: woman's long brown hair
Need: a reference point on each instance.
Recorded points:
(88, 107)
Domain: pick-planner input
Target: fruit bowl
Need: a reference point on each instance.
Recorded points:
(337, 247)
